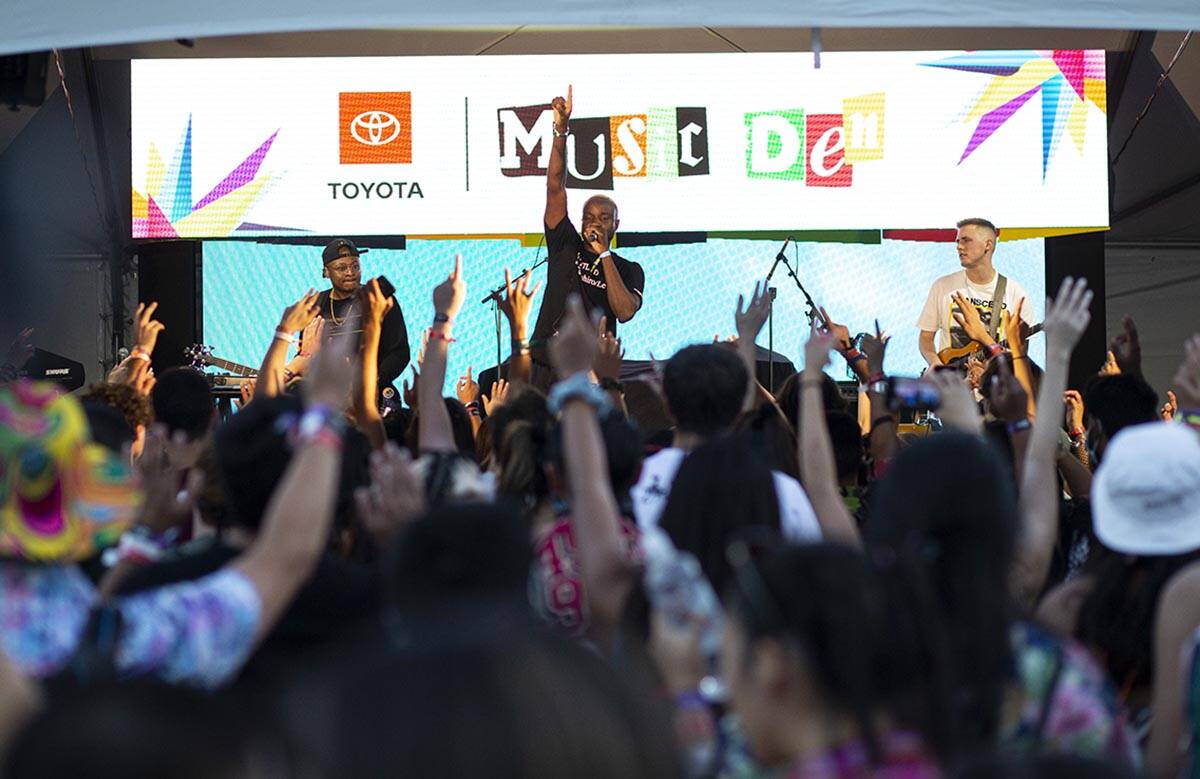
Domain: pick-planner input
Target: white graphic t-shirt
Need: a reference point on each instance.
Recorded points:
(937, 315)
(797, 520)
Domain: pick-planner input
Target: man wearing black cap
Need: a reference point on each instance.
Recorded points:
(342, 310)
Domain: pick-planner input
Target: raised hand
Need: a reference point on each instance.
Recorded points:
(875, 348)
(562, 110)
(1187, 378)
(608, 354)
(331, 374)
(409, 391)
(957, 409)
(573, 348)
(816, 350)
(1074, 404)
(498, 397)
(518, 301)
(841, 333)
(967, 317)
(419, 360)
(1126, 348)
(146, 328)
(1067, 316)
(396, 495)
(313, 335)
(467, 388)
(449, 295)
(1110, 367)
(144, 381)
(246, 392)
(297, 316)
(1167, 412)
(749, 319)
(20, 350)
(1006, 396)
(375, 304)
(1013, 333)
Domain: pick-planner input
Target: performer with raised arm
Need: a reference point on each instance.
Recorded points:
(580, 261)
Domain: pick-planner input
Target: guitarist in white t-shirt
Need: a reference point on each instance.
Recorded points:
(958, 317)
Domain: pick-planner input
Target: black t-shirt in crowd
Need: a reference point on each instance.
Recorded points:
(344, 318)
(573, 267)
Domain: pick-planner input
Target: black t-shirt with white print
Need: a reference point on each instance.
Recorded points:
(573, 267)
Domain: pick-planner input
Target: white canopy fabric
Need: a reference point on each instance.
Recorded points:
(35, 25)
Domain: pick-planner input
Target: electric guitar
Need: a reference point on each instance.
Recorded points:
(202, 355)
(953, 354)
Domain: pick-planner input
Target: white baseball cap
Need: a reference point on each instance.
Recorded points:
(1146, 494)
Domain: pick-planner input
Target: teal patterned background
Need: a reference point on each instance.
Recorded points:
(691, 291)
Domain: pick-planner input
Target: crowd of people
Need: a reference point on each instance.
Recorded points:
(685, 575)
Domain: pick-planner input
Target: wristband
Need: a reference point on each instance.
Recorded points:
(692, 699)
(437, 335)
(995, 350)
(562, 133)
(1017, 426)
(877, 376)
(284, 335)
(520, 345)
(326, 437)
(475, 408)
(852, 354)
(441, 318)
(139, 355)
(317, 418)
(1078, 432)
(577, 387)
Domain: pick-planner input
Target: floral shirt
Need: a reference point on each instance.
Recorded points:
(1065, 705)
(1068, 705)
(904, 757)
(198, 632)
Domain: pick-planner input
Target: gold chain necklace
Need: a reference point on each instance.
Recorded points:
(333, 317)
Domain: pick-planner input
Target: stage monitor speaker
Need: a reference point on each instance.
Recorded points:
(23, 79)
(48, 366)
(169, 272)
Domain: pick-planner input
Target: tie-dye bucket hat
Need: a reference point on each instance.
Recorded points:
(62, 497)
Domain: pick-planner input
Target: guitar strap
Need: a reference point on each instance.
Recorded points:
(997, 302)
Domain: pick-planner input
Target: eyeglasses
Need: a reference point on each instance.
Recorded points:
(352, 267)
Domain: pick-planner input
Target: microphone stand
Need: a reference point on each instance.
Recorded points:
(493, 297)
(810, 310)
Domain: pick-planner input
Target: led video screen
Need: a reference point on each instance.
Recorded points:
(690, 292)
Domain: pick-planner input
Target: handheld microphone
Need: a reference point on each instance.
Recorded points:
(593, 237)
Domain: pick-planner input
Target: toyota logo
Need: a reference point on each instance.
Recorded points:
(374, 128)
